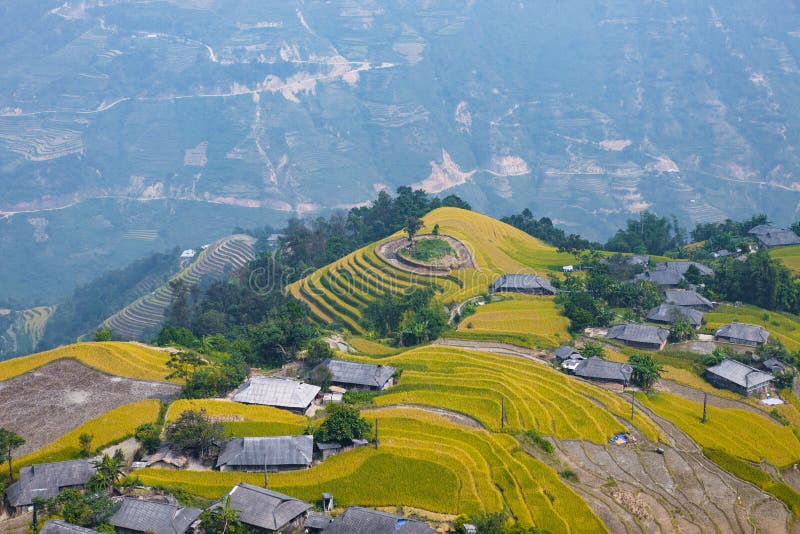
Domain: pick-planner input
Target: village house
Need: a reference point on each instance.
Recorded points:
(671, 313)
(742, 334)
(163, 458)
(523, 283)
(137, 516)
(275, 453)
(738, 377)
(326, 450)
(640, 336)
(601, 370)
(671, 273)
(687, 298)
(265, 510)
(57, 526)
(45, 481)
(769, 236)
(360, 375)
(358, 519)
(279, 392)
(774, 365)
(568, 357)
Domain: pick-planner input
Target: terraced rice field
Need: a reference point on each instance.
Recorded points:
(112, 357)
(534, 320)
(782, 326)
(372, 348)
(790, 256)
(344, 288)
(426, 461)
(34, 321)
(536, 396)
(741, 433)
(243, 419)
(111, 427)
(142, 317)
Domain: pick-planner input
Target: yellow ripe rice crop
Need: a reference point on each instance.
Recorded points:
(366, 346)
(524, 315)
(789, 256)
(741, 433)
(536, 396)
(243, 419)
(113, 426)
(112, 357)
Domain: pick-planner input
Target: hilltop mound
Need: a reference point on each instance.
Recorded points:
(143, 316)
(344, 288)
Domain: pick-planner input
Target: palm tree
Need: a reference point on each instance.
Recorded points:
(109, 470)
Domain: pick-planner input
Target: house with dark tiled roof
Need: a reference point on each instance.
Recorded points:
(742, 334)
(565, 352)
(671, 273)
(265, 510)
(360, 375)
(274, 453)
(770, 236)
(640, 336)
(670, 314)
(738, 377)
(688, 298)
(604, 371)
(523, 283)
(365, 520)
(57, 526)
(137, 516)
(45, 481)
(774, 365)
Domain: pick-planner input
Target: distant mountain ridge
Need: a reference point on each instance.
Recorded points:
(585, 112)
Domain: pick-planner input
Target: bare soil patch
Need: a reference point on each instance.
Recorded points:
(51, 400)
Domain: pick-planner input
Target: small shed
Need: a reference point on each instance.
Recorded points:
(279, 392)
(742, 334)
(738, 377)
(276, 453)
(774, 365)
(137, 516)
(641, 336)
(523, 283)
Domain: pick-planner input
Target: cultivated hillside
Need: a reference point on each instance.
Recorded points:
(140, 319)
(342, 289)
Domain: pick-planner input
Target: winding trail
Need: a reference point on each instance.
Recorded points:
(495, 347)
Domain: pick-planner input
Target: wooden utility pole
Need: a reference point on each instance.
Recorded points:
(705, 406)
(633, 398)
(502, 413)
(376, 433)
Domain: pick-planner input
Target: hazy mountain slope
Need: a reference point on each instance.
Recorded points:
(587, 111)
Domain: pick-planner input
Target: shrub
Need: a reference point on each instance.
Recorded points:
(343, 425)
(568, 474)
(539, 441)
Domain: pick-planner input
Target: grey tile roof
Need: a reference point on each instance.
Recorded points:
(774, 364)
(280, 392)
(670, 313)
(686, 297)
(746, 332)
(762, 229)
(264, 508)
(739, 373)
(45, 480)
(317, 520)
(58, 526)
(660, 277)
(522, 282)
(638, 333)
(683, 266)
(359, 374)
(565, 352)
(778, 237)
(600, 369)
(159, 518)
(269, 451)
(358, 520)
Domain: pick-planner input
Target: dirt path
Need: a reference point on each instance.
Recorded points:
(495, 347)
(455, 417)
(457, 310)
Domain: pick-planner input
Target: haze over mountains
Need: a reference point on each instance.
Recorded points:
(132, 127)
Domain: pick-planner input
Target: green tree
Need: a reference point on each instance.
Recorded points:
(103, 334)
(343, 424)
(318, 351)
(221, 520)
(147, 435)
(194, 433)
(85, 443)
(681, 330)
(592, 349)
(412, 226)
(184, 364)
(646, 371)
(108, 471)
(9, 441)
